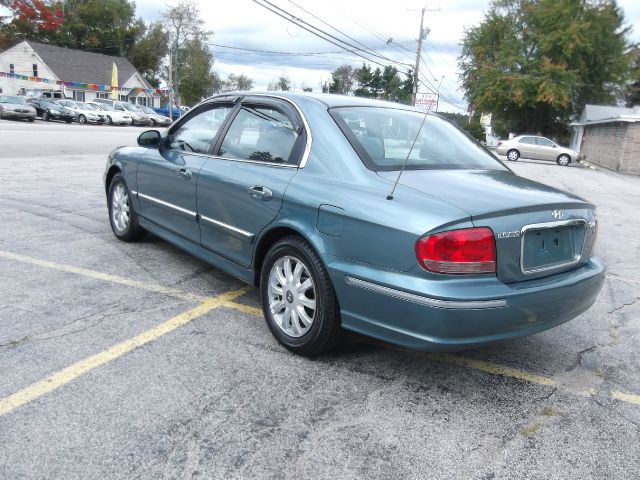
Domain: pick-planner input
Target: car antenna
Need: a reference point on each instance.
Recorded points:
(404, 164)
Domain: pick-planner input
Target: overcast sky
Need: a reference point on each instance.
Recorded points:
(245, 24)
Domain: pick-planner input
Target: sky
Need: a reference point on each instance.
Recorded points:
(246, 25)
(243, 24)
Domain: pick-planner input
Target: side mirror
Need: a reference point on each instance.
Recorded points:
(150, 139)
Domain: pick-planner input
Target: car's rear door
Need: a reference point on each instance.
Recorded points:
(527, 147)
(240, 189)
(167, 177)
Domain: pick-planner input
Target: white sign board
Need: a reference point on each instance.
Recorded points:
(427, 101)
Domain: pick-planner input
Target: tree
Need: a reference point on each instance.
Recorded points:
(30, 19)
(633, 90)
(149, 51)
(535, 63)
(188, 42)
(343, 80)
(198, 81)
(282, 84)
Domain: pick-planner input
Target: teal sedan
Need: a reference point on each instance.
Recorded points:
(362, 215)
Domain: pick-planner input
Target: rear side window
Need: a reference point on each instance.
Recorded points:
(385, 137)
(197, 133)
(260, 134)
(543, 142)
(528, 140)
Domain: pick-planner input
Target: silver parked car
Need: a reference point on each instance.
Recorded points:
(536, 148)
(156, 118)
(13, 106)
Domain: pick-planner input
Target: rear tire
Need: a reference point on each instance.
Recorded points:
(513, 155)
(563, 160)
(122, 216)
(298, 298)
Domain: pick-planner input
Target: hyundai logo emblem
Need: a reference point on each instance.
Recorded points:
(557, 214)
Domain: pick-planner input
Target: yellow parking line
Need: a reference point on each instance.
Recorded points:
(626, 397)
(57, 380)
(150, 287)
(244, 308)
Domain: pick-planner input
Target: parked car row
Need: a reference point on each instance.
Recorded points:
(98, 111)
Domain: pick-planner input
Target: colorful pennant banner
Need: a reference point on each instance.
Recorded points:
(84, 86)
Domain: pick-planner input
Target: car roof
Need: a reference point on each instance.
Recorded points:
(329, 99)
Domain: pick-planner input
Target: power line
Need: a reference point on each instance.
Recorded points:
(320, 33)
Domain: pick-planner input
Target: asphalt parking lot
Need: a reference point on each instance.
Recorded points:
(123, 361)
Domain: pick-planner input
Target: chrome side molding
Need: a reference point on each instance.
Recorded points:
(427, 301)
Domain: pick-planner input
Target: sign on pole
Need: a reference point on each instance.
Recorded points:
(427, 101)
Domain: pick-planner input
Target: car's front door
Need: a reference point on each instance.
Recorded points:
(240, 189)
(167, 178)
(547, 150)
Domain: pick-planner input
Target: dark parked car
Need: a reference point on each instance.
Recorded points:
(48, 110)
(16, 107)
(359, 214)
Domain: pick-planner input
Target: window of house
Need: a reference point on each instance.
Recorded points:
(35, 69)
(78, 95)
(123, 98)
(142, 101)
(12, 68)
(102, 95)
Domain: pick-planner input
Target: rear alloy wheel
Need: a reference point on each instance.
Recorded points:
(298, 299)
(109, 120)
(45, 116)
(563, 160)
(82, 119)
(122, 216)
(513, 155)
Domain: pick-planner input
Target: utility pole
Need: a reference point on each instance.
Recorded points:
(423, 34)
(170, 110)
(418, 52)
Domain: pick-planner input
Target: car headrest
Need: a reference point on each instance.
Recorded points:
(278, 142)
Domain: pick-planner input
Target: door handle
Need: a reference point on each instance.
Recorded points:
(260, 193)
(185, 173)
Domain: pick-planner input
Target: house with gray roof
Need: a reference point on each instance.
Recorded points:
(609, 137)
(75, 72)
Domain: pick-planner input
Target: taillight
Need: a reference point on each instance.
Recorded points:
(471, 250)
(499, 143)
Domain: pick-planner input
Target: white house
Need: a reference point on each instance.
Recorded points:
(76, 73)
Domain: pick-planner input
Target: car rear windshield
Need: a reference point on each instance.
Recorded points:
(384, 137)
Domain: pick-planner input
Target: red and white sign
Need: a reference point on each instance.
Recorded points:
(427, 101)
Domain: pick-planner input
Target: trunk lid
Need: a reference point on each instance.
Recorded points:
(539, 230)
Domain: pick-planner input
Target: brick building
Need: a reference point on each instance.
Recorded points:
(609, 137)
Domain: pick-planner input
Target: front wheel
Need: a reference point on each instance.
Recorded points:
(82, 119)
(109, 120)
(298, 299)
(513, 155)
(122, 216)
(563, 160)
(153, 123)
(45, 116)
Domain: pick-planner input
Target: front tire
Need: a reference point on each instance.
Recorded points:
(563, 160)
(153, 123)
(45, 116)
(513, 155)
(109, 120)
(82, 119)
(298, 299)
(122, 216)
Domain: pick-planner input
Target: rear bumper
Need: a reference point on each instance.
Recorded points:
(461, 313)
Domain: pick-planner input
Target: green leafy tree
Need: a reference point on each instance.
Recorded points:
(633, 90)
(343, 80)
(149, 51)
(197, 79)
(281, 84)
(535, 63)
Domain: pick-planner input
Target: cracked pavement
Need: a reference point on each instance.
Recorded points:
(219, 398)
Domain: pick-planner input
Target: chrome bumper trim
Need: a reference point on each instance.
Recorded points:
(168, 205)
(226, 226)
(429, 302)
